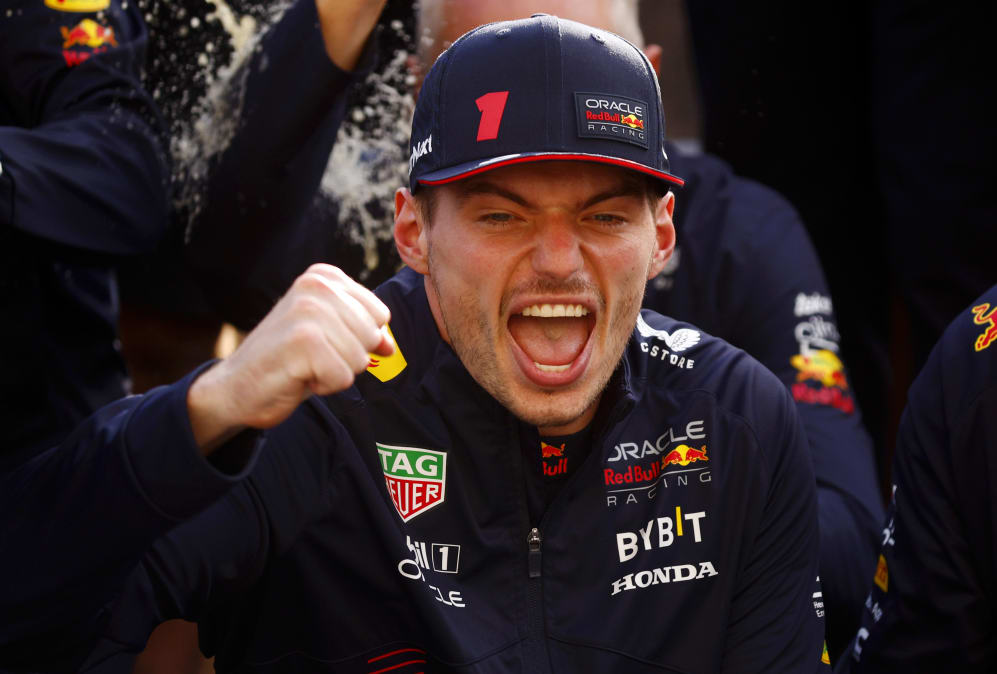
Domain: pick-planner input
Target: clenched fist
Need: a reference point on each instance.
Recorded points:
(315, 340)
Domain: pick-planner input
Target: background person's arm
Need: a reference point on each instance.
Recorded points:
(251, 238)
(83, 163)
(786, 320)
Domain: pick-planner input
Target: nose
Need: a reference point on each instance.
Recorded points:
(557, 253)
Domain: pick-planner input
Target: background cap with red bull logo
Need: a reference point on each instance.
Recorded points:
(537, 89)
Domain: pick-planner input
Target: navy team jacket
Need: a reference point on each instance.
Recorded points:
(387, 527)
(744, 270)
(931, 604)
(83, 179)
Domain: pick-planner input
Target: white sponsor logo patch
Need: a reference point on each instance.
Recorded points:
(659, 533)
(419, 150)
(437, 557)
(664, 574)
(807, 305)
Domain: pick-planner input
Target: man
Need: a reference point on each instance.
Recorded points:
(406, 522)
(930, 608)
(744, 270)
(83, 183)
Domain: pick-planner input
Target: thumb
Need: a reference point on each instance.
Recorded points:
(387, 345)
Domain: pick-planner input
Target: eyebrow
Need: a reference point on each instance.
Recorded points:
(626, 187)
(473, 188)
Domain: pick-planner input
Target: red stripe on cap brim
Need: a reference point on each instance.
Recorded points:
(599, 159)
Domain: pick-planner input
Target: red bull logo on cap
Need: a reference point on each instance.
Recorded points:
(683, 455)
(610, 116)
(984, 315)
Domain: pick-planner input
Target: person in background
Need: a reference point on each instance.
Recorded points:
(172, 308)
(84, 181)
(793, 97)
(930, 606)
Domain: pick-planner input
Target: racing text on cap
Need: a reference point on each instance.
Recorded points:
(614, 117)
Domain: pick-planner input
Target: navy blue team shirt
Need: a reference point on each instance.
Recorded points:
(388, 525)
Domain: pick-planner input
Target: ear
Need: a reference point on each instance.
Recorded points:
(653, 54)
(665, 232)
(410, 232)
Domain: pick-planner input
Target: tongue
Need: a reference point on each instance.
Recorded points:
(550, 341)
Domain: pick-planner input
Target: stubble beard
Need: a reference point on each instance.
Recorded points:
(476, 345)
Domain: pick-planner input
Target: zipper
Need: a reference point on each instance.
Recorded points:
(538, 659)
(535, 647)
(533, 552)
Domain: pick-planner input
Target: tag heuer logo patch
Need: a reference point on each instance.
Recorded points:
(613, 117)
(416, 478)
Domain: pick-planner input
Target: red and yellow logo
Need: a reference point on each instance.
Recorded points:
(633, 122)
(547, 451)
(984, 315)
(683, 455)
(823, 366)
(387, 368)
(78, 5)
(88, 33)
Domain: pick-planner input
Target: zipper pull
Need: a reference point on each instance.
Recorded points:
(533, 542)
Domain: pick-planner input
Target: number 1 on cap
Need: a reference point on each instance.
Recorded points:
(491, 105)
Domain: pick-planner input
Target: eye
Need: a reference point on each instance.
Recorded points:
(610, 219)
(496, 218)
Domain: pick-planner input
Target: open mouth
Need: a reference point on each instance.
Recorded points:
(552, 340)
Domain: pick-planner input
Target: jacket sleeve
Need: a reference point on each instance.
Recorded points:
(78, 518)
(786, 321)
(82, 159)
(263, 183)
(775, 621)
(930, 605)
(204, 569)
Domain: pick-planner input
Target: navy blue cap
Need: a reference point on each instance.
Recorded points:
(537, 89)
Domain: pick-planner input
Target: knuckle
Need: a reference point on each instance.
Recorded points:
(307, 335)
(321, 268)
(309, 282)
(360, 360)
(307, 305)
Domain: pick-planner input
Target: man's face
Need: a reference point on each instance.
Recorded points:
(536, 273)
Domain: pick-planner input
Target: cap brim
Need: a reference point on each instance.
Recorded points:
(461, 171)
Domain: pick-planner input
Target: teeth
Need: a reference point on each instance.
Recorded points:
(555, 310)
(551, 368)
